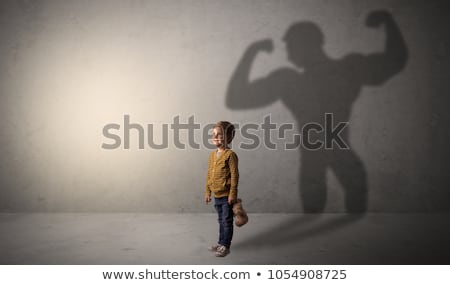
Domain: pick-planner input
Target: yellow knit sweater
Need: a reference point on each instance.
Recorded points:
(223, 174)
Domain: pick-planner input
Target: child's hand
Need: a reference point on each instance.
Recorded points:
(231, 200)
(207, 199)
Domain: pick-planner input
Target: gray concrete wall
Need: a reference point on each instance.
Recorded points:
(69, 68)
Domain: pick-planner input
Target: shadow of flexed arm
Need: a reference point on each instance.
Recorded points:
(243, 94)
(377, 68)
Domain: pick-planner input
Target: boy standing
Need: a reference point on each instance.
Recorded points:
(222, 180)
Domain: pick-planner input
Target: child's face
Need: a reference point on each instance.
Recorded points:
(217, 137)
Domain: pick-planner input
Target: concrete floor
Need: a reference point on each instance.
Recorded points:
(183, 238)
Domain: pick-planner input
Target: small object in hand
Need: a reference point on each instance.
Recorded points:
(240, 216)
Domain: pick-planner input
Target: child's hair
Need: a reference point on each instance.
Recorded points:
(227, 129)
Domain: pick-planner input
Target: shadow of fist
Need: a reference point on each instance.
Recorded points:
(376, 18)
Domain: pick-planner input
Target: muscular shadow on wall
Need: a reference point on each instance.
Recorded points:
(314, 86)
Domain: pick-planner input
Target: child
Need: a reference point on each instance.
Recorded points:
(222, 180)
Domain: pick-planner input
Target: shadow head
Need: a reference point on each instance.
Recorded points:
(304, 44)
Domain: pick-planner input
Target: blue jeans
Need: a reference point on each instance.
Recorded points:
(225, 215)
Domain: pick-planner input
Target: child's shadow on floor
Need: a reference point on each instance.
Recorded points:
(296, 229)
